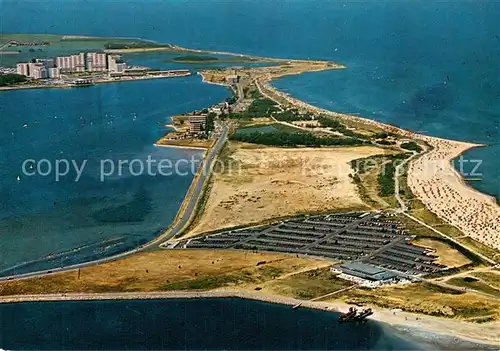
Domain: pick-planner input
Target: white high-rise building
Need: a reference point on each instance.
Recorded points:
(112, 62)
(54, 73)
(96, 62)
(38, 71)
(71, 64)
(23, 69)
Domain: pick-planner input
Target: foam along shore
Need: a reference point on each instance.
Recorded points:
(432, 177)
(431, 327)
(182, 147)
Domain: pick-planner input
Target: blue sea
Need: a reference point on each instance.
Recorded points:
(196, 324)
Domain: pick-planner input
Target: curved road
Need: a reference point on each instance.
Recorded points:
(177, 228)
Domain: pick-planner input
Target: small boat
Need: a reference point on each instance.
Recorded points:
(353, 316)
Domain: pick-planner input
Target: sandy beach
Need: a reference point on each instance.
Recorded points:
(432, 177)
(435, 181)
(431, 327)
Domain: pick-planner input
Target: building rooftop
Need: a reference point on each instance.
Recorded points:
(366, 271)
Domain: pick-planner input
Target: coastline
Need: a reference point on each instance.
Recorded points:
(182, 147)
(485, 333)
(59, 86)
(434, 171)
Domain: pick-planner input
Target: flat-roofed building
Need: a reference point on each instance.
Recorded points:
(23, 69)
(197, 123)
(365, 274)
(48, 63)
(232, 79)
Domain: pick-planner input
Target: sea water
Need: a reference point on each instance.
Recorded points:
(189, 324)
(428, 66)
(84, 218)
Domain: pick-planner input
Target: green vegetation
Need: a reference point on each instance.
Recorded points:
(386, 177)
(262, 107)
(412, 146)
(209, 126)
(475, 284)
(195, 58)
(311, 284)
(134, 44)
(283, 138)
(481, 248)
(11, 79)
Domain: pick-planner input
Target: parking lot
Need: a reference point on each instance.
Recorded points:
(365, 237)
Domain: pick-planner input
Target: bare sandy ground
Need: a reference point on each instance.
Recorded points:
(267, 183)
(432, 178)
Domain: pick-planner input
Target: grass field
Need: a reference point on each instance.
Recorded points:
(448, 256)
(475, 284)
(165, 270)
(308, 285)
(491, 278)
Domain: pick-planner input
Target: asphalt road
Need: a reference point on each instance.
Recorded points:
(173, 231)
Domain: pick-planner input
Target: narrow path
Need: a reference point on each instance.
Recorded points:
(332, 293)
(449, 238)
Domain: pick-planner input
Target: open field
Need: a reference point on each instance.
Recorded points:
(491, 278)
(304, 285)
(165, 270)
(448, 256)
(259, 183)
(474, 283)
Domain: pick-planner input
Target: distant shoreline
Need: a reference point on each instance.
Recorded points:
(121, 80)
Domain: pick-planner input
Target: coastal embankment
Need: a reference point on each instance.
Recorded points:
(432, 327)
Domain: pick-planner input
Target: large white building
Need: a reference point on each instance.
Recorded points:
(97, 62)
(82, 62)
(38, 71)
(71, 64)
(54, 73)
(23, 69)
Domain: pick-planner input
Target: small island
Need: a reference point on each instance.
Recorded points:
(195, 59)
